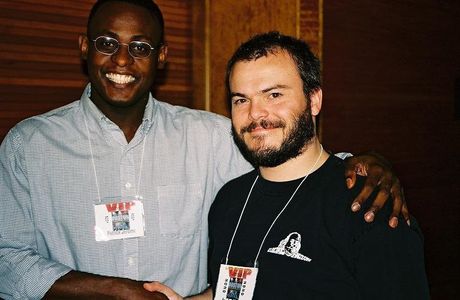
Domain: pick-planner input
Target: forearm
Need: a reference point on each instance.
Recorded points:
(80, 285)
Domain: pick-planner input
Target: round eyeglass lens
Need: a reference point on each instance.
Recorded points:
(139, 49)
(106, 45)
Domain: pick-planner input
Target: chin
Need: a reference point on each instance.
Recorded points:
(262, 147)
(118, 99)
(122, 102)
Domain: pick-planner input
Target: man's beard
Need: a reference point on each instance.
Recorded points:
(291, 146)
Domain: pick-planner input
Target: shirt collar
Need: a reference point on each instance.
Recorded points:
(92, 111)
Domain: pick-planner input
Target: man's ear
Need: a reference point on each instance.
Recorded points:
(316, 98)
(83, 45)
(162, 56)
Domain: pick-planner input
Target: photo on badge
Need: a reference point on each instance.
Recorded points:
(120, 219)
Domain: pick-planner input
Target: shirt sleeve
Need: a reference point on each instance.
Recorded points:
(343, 155)
(389, 263)
(229, 161)
(24, 273)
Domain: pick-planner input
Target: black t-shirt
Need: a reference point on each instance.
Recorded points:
(340, 256)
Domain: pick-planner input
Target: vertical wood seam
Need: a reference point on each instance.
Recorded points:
(207, 57)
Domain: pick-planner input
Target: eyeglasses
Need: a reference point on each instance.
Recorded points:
(108, 46)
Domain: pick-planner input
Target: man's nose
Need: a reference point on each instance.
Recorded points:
(122, 57)
(257, 110)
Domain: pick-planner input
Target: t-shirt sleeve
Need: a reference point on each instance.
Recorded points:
(388, 263)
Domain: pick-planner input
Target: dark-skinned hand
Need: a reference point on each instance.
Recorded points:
(80, 285)
(379, 175)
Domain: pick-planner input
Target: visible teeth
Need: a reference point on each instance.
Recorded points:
(119, 78)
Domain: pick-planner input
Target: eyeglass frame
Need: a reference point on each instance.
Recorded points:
(125, 44)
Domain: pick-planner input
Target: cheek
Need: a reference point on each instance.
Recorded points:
(238, 118)
(148, 71)
(289, 110)
(95, 64)
(237, 127)
(147, 66)
(290, 114)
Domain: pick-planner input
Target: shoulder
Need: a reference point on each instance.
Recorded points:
(239, 183)
(188, 116)
(230, 194)
(53, 119)
(196, 128)
(332, 170)
(331, 195)
(329, 180)
(60, 114)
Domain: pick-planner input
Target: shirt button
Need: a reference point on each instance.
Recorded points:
(128, 185)
(130, 261)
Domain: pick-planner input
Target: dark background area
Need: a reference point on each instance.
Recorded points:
(390, 71)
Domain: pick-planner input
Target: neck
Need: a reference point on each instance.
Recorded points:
(127, 118)
(128, 126)
(299, 166)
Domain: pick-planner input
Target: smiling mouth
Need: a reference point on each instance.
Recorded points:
(120, 78)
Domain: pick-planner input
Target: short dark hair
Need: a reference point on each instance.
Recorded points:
(149, 5)
(271, 42)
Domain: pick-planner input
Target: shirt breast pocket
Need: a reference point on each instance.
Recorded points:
(181, 209)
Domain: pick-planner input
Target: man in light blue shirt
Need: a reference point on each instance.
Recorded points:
(115, 147)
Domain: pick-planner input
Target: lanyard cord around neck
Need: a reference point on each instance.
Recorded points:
(94, 164)
(277, 217)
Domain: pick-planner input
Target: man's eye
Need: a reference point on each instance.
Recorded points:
(275, 95)
(109, 45)
(141, 48)
(237, 101)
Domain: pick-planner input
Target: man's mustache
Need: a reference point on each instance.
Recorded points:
(265, 124)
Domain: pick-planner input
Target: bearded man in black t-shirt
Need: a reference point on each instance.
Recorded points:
(283, 231)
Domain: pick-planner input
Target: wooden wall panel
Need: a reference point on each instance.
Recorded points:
(40, 68)
(389, 73)
(221, 26)
(310, 24)
(233, 22)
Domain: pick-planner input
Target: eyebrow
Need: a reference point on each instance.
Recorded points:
(264, 91)
(278, 86)
(237, 95)
(138, 37)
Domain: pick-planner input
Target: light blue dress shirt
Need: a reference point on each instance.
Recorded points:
(48, 191)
